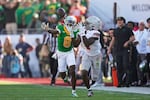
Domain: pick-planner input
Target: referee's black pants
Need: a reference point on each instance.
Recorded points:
(53, 67)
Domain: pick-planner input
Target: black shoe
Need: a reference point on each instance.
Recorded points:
(127, 85)
(53, 82)
(120, 85)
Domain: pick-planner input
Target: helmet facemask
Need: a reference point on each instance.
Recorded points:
(70, 21)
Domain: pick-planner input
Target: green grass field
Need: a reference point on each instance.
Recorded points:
(40, 92)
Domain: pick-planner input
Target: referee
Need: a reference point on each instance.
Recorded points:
(51, 42)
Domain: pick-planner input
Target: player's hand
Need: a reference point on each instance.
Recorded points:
(81, 29)
(45, 26)
(126, 44)
(108, 51)
(80, 26)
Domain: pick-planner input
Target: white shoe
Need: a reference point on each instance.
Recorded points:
(67, 80)
(74, 94)
(90, 93)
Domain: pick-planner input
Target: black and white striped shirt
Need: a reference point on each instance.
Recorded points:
(51, 41)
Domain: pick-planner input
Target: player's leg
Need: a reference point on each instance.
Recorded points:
(78, 62)
(62, 65)
(96, 72)
(71, 65)
(86, 63)
(73, 78)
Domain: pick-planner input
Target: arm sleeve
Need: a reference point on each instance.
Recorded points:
(101, 39)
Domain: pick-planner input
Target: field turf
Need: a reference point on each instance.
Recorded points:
(44, 92)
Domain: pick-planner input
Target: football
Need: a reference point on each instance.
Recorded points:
(61, 12)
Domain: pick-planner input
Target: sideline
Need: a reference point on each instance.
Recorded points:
(138, 90)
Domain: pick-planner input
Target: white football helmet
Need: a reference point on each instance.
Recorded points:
(142, 65)
(70, 21)
(93, 23)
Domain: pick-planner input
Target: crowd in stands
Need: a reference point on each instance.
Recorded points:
(28, 14)
(15, 61)
(20, 14)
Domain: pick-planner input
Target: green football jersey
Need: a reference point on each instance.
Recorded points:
(64, 38)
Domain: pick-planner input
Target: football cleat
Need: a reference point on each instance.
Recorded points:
(90, 93)
(74, 94)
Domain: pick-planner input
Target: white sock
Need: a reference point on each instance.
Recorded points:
(73, 91)
(89, 89)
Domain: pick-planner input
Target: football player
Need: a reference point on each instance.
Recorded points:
(91, 59)
(65, 53)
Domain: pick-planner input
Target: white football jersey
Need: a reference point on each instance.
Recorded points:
(148, 41)
(95, 48)
(141, 37)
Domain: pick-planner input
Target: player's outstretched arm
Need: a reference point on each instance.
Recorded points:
(46, 27)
